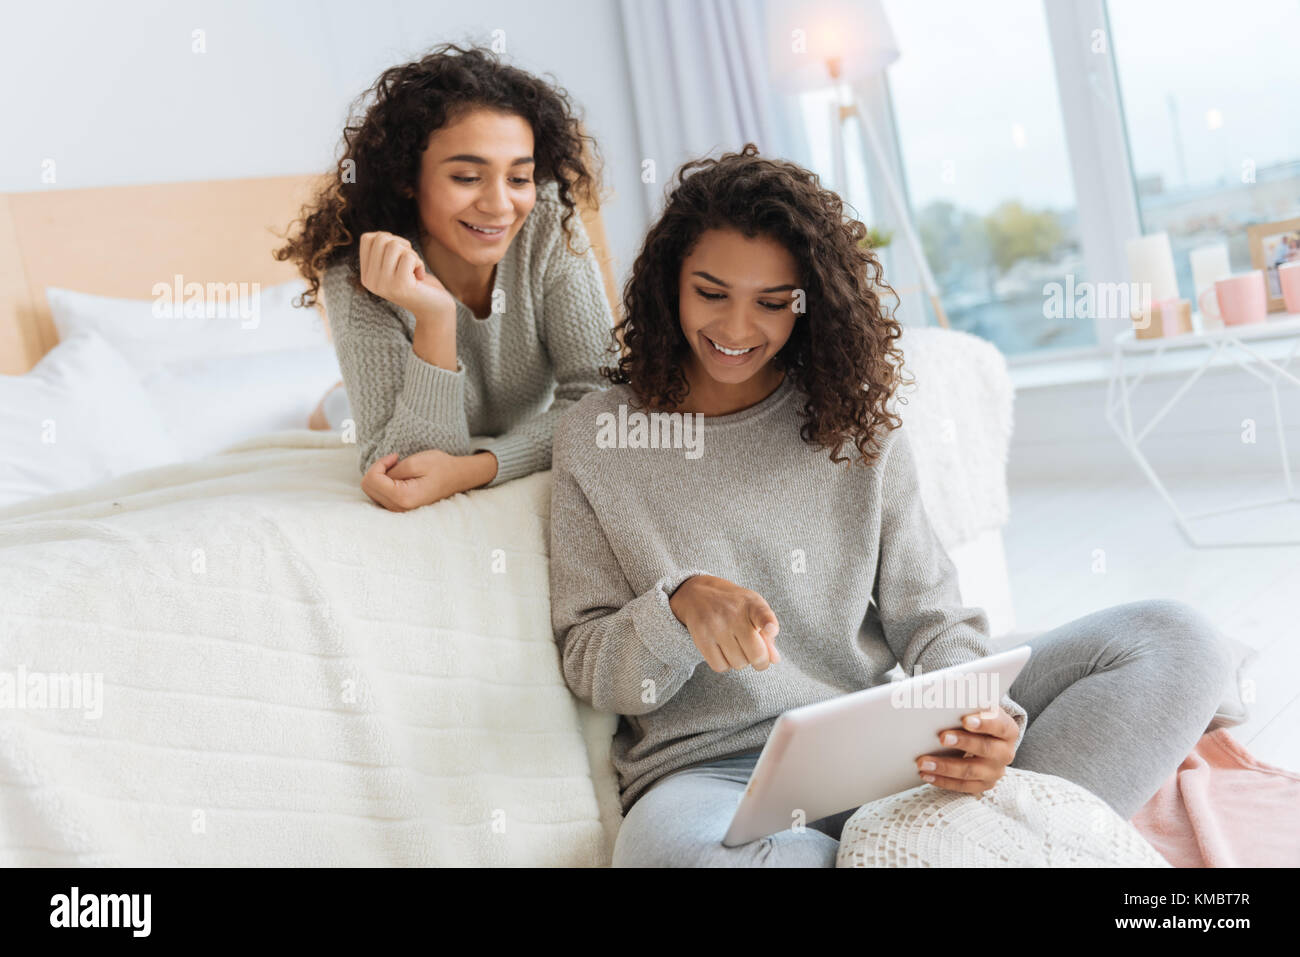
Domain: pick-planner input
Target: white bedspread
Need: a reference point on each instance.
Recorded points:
(960, 412)
(291, 675)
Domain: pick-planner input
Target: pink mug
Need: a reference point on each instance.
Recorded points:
(1242, 299)
(1288, 276)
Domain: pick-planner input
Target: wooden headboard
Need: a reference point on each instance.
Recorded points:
(121, 240)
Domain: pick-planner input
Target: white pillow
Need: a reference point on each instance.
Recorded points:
(1027, 819)
(78, 417)
(179, 326)
(210, 404)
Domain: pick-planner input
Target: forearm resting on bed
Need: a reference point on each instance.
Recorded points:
(477, 470)
(423, 478)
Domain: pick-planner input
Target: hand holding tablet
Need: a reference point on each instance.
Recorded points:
(838, 754)
(988, 742)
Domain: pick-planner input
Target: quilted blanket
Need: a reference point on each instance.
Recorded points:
(243, 661)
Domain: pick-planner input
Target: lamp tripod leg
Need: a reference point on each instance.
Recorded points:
(938, 310)
(900, 210)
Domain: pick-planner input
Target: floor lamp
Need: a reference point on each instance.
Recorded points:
(834, 43)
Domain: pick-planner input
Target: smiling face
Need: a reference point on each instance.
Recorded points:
(476, 188)
(736, 298)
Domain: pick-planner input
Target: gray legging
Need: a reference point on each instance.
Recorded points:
(1116, 700)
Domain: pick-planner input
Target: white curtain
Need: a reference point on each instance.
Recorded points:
(700, 83)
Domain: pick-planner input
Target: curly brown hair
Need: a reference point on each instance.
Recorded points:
(841, 354)
(378, 172)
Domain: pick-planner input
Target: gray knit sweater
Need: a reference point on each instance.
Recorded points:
(844, 555)
(518, 369)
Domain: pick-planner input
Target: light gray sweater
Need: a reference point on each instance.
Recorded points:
(519, 368)
(845, 556)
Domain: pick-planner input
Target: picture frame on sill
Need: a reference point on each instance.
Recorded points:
(1271, 245)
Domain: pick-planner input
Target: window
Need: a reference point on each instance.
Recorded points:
(982, 144)
(1213, 127)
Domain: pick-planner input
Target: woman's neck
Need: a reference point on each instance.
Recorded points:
(709, 397)
(469, 283)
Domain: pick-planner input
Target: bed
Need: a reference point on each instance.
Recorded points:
(235, 657)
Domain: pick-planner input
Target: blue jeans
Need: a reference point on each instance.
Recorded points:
(1116, 700)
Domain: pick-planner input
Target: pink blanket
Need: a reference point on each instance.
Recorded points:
(1223, 808)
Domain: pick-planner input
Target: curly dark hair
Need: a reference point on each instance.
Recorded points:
(376, 177)
(841, 352)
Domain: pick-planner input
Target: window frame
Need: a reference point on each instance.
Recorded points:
(1092, 111)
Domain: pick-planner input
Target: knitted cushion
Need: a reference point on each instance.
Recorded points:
(1026, 820)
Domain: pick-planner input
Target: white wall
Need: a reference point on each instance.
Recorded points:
(1061, 432)
(114, 95)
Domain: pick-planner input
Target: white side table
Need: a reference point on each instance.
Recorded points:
(1232, 342)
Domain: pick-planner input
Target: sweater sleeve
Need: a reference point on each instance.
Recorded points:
(400, 403)
(621, 652)
(575, 323)
(916, 594)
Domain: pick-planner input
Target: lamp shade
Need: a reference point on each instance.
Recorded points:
(807, 37)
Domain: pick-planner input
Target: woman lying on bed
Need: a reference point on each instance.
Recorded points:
(463, 297)
(786, 548)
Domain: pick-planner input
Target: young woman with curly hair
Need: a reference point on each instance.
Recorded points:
(463, 297)
(786, 546)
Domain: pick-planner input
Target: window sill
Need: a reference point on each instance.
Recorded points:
(1181, 355)
(1057, 372)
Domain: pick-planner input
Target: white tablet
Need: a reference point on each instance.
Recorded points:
(834, 755)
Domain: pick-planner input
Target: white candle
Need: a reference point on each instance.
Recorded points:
(1209, 265)
(1151, 261)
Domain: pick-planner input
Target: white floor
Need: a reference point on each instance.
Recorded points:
(1252, 594)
